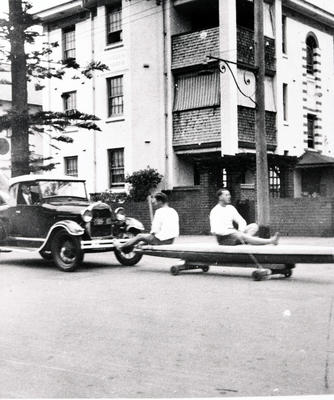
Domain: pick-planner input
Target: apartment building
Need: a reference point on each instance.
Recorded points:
(35, 105)
(165, 104)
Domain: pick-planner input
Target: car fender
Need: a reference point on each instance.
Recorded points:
(72, 227)
(133, 223)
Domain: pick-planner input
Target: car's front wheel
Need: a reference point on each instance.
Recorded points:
(66, 251)
(131, 258)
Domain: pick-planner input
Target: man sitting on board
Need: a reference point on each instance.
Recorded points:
(222, 217)
(165, 227)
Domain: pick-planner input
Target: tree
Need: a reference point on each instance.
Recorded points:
(142, 184)
(17, 30)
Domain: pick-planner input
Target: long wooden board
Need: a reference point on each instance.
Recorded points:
(212, 254)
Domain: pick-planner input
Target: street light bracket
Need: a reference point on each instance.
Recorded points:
(224, 65)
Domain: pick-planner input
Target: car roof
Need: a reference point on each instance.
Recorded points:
(34, 178)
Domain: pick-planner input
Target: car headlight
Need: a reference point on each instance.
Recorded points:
(87, 216)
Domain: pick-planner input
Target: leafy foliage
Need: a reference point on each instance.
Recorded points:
(143, 182)
(41, 66)
(110, 197)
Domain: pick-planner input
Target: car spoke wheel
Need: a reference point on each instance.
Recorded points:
(129, 258)
(66, 251)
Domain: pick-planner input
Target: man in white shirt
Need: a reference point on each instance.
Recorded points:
(165, 226)
(222, 217)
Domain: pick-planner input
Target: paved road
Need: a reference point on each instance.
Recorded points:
(111, 331)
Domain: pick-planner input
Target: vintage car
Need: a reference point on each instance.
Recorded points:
(52, 215)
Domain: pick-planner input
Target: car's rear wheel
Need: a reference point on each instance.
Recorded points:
(66, 251)
(131, 258)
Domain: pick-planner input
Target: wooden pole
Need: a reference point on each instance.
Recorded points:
(262, 181)
(20, 121)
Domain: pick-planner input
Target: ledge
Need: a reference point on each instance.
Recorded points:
(186, 188)
(114, 119)
(114, 46)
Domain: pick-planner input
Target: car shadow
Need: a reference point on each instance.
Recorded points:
(37, 263)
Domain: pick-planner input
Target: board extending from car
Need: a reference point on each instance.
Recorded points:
(268, 260)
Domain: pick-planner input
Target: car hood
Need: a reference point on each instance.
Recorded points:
(68, 209)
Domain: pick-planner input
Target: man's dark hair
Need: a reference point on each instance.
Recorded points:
(161, 197)
(220, 191)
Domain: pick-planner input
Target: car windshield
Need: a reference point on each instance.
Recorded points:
(51, 189)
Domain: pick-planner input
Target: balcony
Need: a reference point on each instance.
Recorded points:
(190, 49)
(245, 46)
(246, 128)
(197, 128)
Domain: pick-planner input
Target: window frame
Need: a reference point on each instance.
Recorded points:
(114, 29)
(66, 96)
(66, 166)
(65, 41)
(311, 44)
(284, 35)
(311, 134)
(119, 151)
(275, 182)
(285, 102)
(113, 97)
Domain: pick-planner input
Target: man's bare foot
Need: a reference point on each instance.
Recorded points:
(275, 239)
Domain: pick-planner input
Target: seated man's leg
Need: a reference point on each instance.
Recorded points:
(251, 229)
(248, 239)
(141, 237)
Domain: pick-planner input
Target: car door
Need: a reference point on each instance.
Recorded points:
(30, 223)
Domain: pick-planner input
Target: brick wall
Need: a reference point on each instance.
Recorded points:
(192, 48)
(246, 125)
(303, 216)
(196, 126)
(245, 49)
(291, 217)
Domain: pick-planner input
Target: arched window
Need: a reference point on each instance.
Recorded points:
(311, 45)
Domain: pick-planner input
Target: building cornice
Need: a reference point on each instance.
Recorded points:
(311, 11)
(60, 11)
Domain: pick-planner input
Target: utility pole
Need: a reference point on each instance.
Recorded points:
(20, 121)
(262, 181)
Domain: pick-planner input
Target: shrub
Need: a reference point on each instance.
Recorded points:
(143, 182)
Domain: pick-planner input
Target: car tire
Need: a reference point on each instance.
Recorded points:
(128, 259)
(66, 251)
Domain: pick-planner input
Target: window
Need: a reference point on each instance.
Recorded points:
(285, 101)
(197, 90)
(274, 181)
(69, 43)
(114, 23)
(224, 178)
(115, 96)
(116, 167)
(71, 165)
(311, 45)
(70, 101)
(310, 130)
(284, 44)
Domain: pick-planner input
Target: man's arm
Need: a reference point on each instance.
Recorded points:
(239, 220)
(213, 222)
(156, 223)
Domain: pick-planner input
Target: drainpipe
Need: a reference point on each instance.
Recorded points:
(92, 18)
(165, 84)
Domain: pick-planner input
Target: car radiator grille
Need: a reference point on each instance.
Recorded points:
(101, 223)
